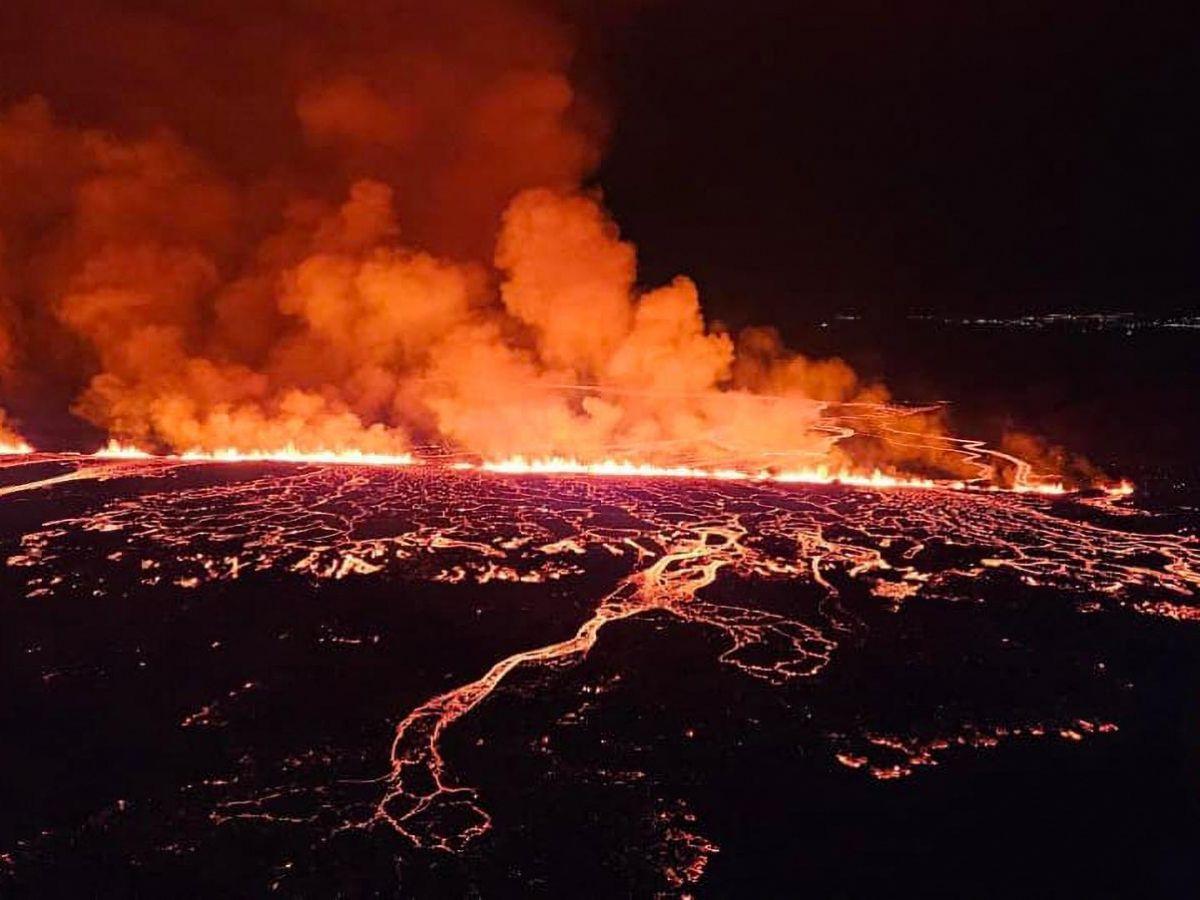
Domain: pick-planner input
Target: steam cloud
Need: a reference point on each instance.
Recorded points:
(242, 226)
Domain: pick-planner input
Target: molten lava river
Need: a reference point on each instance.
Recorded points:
(425, 680)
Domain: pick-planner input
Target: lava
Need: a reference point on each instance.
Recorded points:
(890, 757)
(371, 258)
(557, 465)
(609, 468)
(950, 463)
(289, 453)
(420, 799)
(14, 448)
(695, 547)
(1122, 489)
(115, 449)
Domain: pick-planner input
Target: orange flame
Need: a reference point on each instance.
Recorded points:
(114, 449)
(291, 453)
(435, 267)
(1051, 488)
(288, 453)
(558, 465)
(1119, 490)
(612, 468)
(14, 448)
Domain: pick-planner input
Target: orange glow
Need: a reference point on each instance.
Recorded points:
(605, 468)
(288, 453)
(14, 448)
(114, 449)
(677, 538)
(291, 453)
(1117, 491)
(437, 271)
(558, 465)
(1049, 487)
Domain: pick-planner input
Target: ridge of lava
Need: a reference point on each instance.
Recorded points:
(604, 468)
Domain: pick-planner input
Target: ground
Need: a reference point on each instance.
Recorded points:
(364, 680)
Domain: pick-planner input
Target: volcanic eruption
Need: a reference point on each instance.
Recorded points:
(404, 529)
(377, 233)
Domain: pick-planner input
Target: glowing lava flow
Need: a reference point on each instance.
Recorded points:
(434, 814)
(288, 453)
(116, 450)
(1119, 490)
(966, 465)
(607, 468)
(558, 465)
(14, 448)
(291, 453)
(776, 575)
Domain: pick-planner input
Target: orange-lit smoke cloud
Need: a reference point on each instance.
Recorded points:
(357, 228)
(8, 437)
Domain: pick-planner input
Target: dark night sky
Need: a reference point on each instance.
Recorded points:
(998, 157)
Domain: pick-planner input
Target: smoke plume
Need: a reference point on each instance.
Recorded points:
(354, 226)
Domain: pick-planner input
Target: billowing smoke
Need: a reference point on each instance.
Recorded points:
(353, 226)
